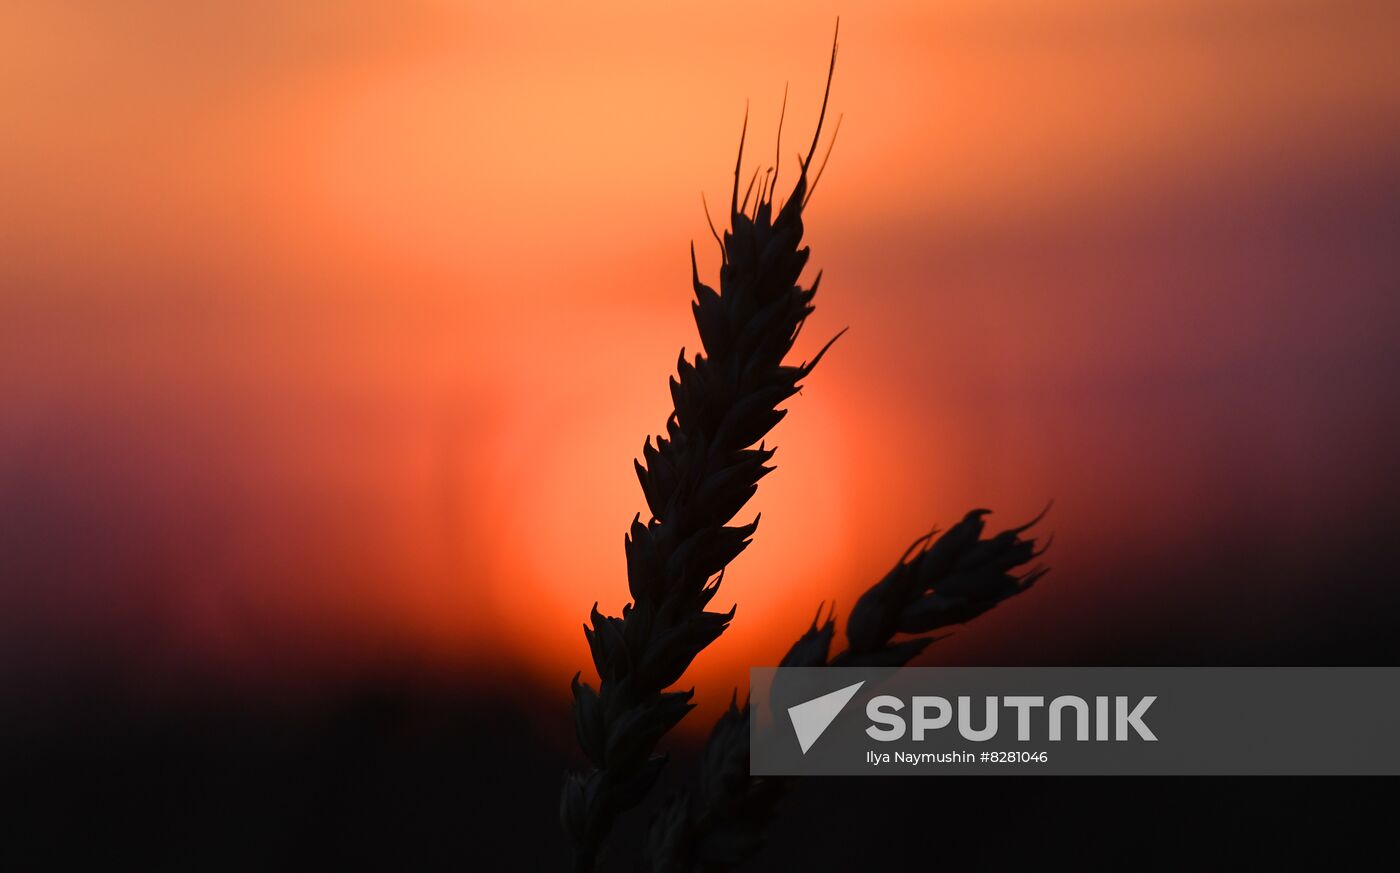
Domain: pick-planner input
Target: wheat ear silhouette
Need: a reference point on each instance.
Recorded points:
(696, 479)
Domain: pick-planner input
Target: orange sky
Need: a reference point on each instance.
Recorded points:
(328, 329)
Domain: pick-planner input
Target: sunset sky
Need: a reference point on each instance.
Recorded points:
(328, 330)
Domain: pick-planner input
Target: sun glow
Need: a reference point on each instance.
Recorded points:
(355, 320)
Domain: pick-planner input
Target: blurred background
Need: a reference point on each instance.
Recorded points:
(328, 332)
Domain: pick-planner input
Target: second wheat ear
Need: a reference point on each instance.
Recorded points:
(696, 479)
(940, 581)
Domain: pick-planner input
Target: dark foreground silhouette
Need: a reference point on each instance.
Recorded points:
(395, 776)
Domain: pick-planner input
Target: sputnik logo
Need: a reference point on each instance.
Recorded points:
(811, 719)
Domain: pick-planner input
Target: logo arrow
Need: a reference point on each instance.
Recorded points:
(811, 719)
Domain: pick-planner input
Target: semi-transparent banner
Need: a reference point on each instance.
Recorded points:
(1075, 720)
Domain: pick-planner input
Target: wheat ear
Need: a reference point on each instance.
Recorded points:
(960, 576)
(696, 478)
